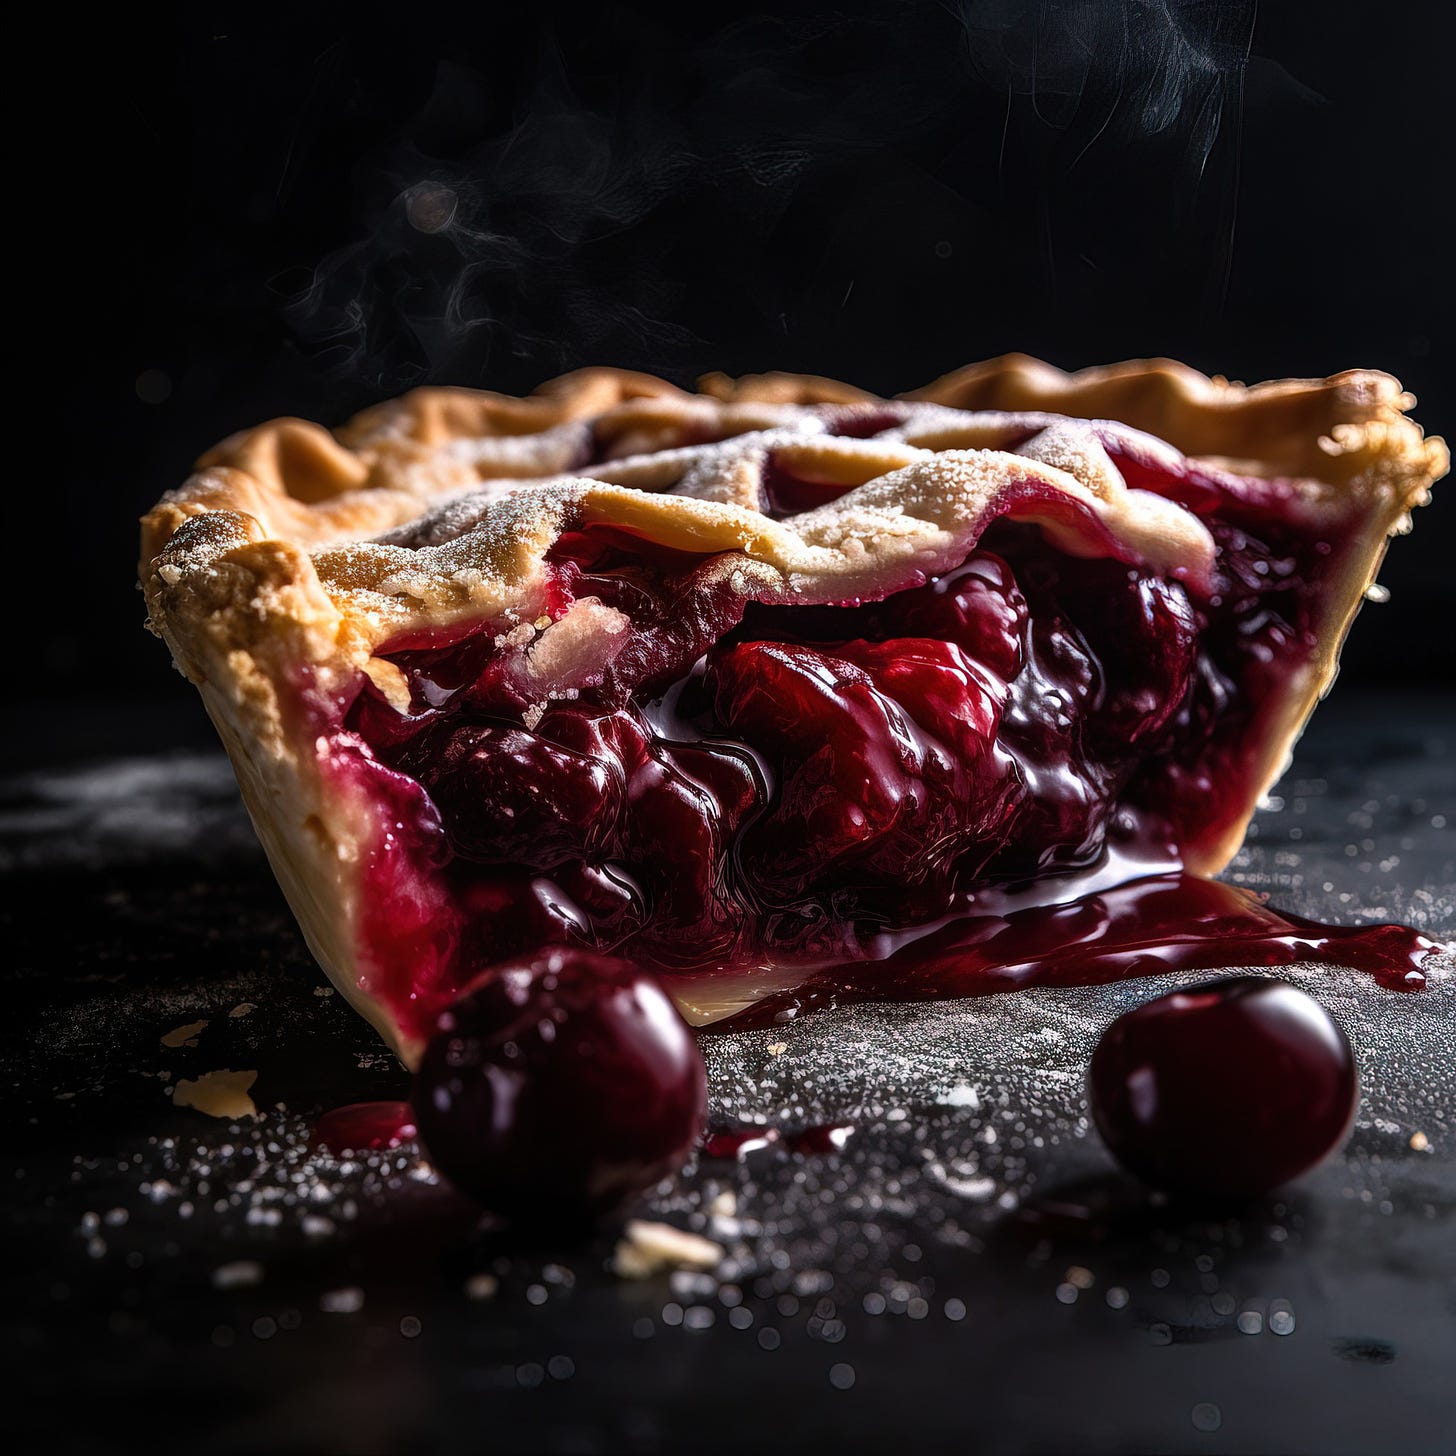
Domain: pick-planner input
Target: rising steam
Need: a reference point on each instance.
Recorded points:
(632, 220)
(1110, 93)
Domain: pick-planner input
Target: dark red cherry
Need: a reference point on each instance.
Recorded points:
(558, 1087)
(978, 606)
(513, 797)
(1228, 1089)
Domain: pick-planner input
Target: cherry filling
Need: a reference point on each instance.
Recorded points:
(865, 794)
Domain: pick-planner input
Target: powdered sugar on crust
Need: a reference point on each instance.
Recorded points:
(441, 505)
(892, 513)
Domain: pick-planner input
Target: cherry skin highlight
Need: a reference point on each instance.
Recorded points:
(1226, 1090)
(558, 1087)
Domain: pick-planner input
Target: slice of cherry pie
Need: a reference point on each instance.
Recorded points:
(781, 685)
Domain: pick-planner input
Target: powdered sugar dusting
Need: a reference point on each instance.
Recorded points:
(886, 502)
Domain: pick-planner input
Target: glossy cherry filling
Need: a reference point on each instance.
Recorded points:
(984, 779)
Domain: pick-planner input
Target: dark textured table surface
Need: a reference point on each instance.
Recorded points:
(969, 1270)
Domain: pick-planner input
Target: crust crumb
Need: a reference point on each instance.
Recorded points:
(241, 1274)
(184, 1036)
(223, 1094)
(647, 1248)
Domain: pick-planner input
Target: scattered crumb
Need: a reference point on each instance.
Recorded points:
(222, 1094)
(342, 1301)
(649, 1248)
(184, 1035)
(240, 1275)
(242, 1008)
(481, 1286)
(323, 990)
(778, 1048)
(1419, 1142)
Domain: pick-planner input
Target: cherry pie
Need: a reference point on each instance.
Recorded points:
(781, 680)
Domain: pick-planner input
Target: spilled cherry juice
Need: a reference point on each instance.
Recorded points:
(1140, 927)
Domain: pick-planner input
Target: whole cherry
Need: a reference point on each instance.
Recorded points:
(1225, 1090)
(559, 1086)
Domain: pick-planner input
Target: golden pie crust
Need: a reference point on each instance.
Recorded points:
(293, 549)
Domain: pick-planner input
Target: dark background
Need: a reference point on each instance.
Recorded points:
(228, 223)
